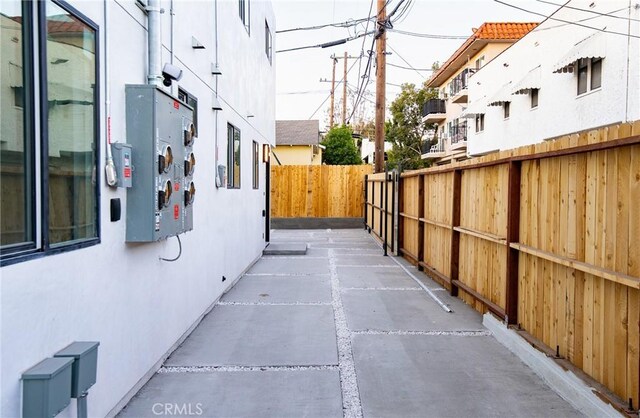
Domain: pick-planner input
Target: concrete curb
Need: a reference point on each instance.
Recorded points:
(565, 383)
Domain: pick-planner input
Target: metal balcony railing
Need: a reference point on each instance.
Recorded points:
(461, 81)
(434, 106)
(458, 132)
(427, 146)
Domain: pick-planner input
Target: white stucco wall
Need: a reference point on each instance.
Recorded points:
(560, 110)
(121, 294)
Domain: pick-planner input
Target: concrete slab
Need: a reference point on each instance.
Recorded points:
(310, 393)
(364, 260)
(280, 289)
(261, 336)
(291, 248)
(446, 376)
(405, 311)
(373, 277)
(290, 266)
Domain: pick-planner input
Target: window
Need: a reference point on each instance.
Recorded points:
(61, 164)
(479, 62)
(596, 73)
(583, 71)
(480, 122)
(243, 10)
(589, 74)
(506, 108)
(256, 165)
(268, 41)
(233, 157)
(191, 101)
(534, 98)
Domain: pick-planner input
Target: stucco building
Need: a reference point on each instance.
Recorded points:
(453, 83)
(69, 269)
(297, 143)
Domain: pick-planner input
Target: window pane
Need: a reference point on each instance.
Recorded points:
(596, 73)
(256, 166)
(236, 158)
(507, 108)
(582, 76)
(71, 83)
(16, 205)
(229, 156)
(534, 98)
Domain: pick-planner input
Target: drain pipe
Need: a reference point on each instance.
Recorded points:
(110, 168)
(219, 182)
(154, 43)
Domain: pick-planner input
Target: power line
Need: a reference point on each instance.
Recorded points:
(409, 68)
(327, 98)
(426, 35)
(567, 21)
(347, 24)
(326, 44)
(406, 62)
(590, 11)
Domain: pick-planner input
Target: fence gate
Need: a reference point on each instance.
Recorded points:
(381, 210)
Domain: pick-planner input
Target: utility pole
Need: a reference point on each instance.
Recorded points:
(381, 64)
(333, 90)
(344, 91)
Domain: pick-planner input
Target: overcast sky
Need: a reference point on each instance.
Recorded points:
(299, 91)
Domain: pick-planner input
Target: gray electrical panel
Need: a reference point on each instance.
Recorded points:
(161, 132)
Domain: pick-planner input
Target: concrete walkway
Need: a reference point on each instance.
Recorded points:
(342, 331)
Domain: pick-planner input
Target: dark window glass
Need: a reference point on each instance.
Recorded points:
(256, 165)
(16, 152)
(233, 157)
(507, 109)
(583, 70)
(268, 43)
(243, 10)
(71, 83)
(534, 98)
(596, 73)
(480, 123)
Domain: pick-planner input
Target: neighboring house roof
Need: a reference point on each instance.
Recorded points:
(297, 132)
(488, 32)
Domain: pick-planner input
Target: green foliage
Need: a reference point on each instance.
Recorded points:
(406, 129)
(341, 149)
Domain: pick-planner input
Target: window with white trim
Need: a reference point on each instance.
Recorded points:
(233, 157)
(589, 74)
(243, 11)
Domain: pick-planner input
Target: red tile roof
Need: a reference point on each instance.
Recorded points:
(503, 30)
(488, 31)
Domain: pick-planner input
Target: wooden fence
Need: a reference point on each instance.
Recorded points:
(380, 198)
(318, 191)
(544, 237)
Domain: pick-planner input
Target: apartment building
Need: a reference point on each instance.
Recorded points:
(452, 80)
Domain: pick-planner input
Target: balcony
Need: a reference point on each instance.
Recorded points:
(458, 87)
(434, 110)
(458, 135)
(432, 152)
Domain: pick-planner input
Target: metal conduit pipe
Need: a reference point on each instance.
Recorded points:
(154, 43)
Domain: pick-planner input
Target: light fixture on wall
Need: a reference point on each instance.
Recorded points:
(215, 69)
(250, 115)
(215, 103)
(266, 153)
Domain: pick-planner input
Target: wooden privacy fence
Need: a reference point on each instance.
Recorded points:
(318, 191)
(380, 210)
(544, 237)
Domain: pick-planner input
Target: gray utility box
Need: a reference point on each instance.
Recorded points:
(46, 388)
(161, 132)
(85, 364)
(122, 160)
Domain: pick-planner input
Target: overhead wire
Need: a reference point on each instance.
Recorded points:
(327, 44)
(550, 17)
(339, 82)
(566, 6)
(427, 35)
(346, 24)
(409, 68)
(405, 61)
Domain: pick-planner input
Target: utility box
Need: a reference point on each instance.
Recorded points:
(46, 388)
(122, 159)
(85, 364)
(161, 132)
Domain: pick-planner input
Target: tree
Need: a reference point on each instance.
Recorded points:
(340, 148)
(406, 129)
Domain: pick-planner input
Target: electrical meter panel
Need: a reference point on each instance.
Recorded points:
(161, 132)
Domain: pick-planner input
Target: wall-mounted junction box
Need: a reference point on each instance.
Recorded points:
(160, 129)
(46, 388)
(122, 160)
(85, 364)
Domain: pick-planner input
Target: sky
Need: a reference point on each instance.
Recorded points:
(300, 93)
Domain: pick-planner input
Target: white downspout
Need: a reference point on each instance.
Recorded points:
(219, 182)
(110, 169)
(154, 43)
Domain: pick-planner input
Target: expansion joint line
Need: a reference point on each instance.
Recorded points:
(351, 405)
